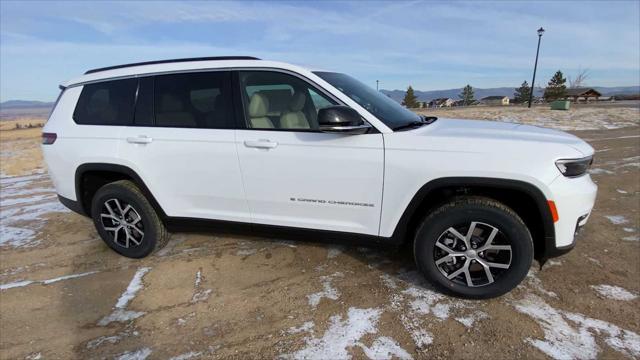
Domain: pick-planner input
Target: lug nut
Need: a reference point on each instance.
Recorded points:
(463, 248)
(474, 246)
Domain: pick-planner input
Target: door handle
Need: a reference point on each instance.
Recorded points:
(261, 144)
(142, 139)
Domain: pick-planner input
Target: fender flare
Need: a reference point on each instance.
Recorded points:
(119, 169)
(400, 231)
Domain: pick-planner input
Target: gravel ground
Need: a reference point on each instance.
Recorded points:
(64, 294)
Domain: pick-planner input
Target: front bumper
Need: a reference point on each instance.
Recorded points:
(574, 199)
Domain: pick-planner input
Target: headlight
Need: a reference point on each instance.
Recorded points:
(574, 167)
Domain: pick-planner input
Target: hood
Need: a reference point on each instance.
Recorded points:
(511, 132)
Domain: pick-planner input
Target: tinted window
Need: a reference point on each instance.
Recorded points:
(276, 100)
(383, 107)
(106, 103)
(194, 100)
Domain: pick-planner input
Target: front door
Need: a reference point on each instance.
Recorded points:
(295, 175)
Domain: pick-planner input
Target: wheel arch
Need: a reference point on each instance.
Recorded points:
(526, 199)
(91, 176)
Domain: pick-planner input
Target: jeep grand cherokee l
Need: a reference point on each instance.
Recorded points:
(150, 147)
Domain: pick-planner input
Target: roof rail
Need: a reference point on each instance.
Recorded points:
(172, 61)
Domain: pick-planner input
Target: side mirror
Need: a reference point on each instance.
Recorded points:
(341, 119)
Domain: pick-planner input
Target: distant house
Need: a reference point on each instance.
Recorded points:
(495, 100)
(578, 94)
(422, 104)
(441, 102)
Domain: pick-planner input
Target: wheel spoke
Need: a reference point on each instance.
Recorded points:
(444, 247)
(443, 259)
(115, 234)
(487, 271)
(496, 265)
(109, 216)
(119, 206)
(456, 273)
(499, 247)
(467, 275)
(138, 230)
(115, 228)
(456, 234)
(467, 238)
(109, 209)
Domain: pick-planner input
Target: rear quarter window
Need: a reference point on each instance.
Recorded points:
(107, 103)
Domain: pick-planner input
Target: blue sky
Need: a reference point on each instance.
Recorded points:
(429, 45)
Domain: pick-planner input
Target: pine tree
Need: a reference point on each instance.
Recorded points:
(467, 95)
(556, 88)
(522, 93)
(410, 100)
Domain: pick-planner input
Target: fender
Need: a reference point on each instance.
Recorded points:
(119, 169)
(550, 250)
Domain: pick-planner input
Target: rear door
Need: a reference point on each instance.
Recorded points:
(182, 144)
(295, 175)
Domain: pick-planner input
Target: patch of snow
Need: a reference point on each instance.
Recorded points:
(617, 219)
(198, 278)
(621, 191)
(468, 321)
(598, 171)
(15, 284)
(34, 356)
(614, 292)
(389, 281)
(186, 356)
(426, 301)
(139, 354)
(554, 263)
(306, 327)
(384, 348)
(67, 277)
(120, 314)
(287, 243)
(631, 238)
(341, 335)
(93, 344)
(334, 252)
(134, 286)
(246, 252)
(534, 282)
(571, 336)
(17, 237)
(629, 230)
(328, 291)
(201, 295)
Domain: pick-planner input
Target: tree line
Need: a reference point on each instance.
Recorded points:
(556, 89)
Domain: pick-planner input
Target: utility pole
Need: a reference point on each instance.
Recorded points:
(377, 82)
(535, 67)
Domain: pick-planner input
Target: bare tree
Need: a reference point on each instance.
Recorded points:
(580, 79)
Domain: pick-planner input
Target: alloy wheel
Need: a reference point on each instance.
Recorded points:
(474, 259)
(121, 220)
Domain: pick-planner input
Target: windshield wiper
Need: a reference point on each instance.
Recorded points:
(426, 120)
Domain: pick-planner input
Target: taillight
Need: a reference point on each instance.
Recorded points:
(49, 138)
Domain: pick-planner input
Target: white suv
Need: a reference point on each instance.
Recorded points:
(267, 146)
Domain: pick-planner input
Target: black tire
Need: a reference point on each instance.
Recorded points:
(149, 230)
(487, 214)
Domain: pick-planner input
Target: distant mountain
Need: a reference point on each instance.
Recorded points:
(24, 104)
(398, 95)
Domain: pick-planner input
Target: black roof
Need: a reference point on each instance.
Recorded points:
(171, 61)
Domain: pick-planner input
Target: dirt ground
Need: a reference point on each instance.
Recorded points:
(65, 294)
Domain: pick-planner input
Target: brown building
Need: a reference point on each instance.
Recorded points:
(578, 94)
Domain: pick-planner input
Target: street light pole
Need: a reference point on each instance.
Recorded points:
(377, 81)
(535, 67)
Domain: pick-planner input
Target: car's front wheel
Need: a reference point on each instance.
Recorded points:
(126, 221)
(474, 247)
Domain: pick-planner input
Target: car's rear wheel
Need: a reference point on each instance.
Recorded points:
(126, 221)
(474, 247)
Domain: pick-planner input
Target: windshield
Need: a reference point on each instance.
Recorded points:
(381, 106)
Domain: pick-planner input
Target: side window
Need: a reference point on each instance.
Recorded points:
(106, 103)
(274, 100)
(194, 100)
